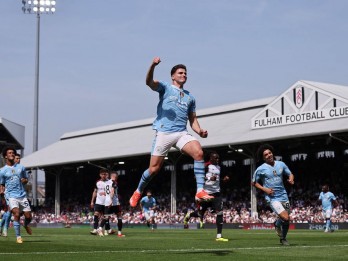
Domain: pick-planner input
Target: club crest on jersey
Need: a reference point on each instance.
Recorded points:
(182, 94)
(13, 171)
(274, 172)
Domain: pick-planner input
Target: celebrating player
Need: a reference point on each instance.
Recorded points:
(328, 200)
(98, 196)
(212, 186)
(148, 206)
(176, 106)
(112, 202)
(13, 177)
(270, 174)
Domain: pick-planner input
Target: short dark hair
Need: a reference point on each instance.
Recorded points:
(103, 171)
(176, 67)
(261, 150)
(7, 148)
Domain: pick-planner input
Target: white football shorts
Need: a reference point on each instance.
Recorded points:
(149, 214)
(21, 203)
(164, 141)
(327, 213)
(278, 206)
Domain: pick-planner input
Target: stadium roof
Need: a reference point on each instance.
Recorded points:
(304, 109)
(11, 134)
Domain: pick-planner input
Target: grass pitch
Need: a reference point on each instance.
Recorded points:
(175, 244)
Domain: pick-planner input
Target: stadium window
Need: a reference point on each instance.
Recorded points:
(299, 156)
(326, 154)
(229, 163)
(187, 166)
(168, 167)
(121, 172)
(247, 162)
(278, 157)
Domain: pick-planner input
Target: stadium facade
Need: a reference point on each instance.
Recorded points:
(308, 117)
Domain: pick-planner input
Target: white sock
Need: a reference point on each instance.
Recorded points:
(218, 236)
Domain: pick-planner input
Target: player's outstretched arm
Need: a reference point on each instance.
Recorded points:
(196, 127)
(153, 84)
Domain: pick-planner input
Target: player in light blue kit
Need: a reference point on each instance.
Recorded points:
(269, 178)
(148, 206)
(328, 201)
(176, 106)
(13, 177)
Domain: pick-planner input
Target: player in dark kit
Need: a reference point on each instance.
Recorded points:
(212, 187)
(112, 201)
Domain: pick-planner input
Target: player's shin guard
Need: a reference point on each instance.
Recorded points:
(96, 221)
(219, 223)
(278, 222)
(17, 228)
(27, 221)
(119, 224)
(107, 224)
(285, 228)
(198, 168)
(102, 222)
(145, 179)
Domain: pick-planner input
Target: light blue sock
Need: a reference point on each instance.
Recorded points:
(198, 168)
(7, 219)
(17, 228)
(328, 224)
(145, 179)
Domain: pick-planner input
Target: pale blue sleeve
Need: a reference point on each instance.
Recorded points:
(192, 106)
(256, 176)
(332, 196)
(2, 179)
(24, 173)
(162, 86)
(286, 170)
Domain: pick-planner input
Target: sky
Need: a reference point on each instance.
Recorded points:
(94, 56)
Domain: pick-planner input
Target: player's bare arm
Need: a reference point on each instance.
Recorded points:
(94, 195)
(153, 84)
(2, 190)
(196, 127)
(291, 179)
(268, 191)
(24, 180)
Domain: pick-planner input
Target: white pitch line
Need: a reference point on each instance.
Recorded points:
(192, 250)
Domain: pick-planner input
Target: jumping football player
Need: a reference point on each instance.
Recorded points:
(176, 106)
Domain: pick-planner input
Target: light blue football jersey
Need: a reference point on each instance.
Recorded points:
(173, 108)
(326, 200)
(147, 203)
(272, 177)
(10, 177)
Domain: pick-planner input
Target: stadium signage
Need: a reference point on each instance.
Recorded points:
(302, 117)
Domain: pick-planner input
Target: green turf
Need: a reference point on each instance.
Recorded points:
(142, 244)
